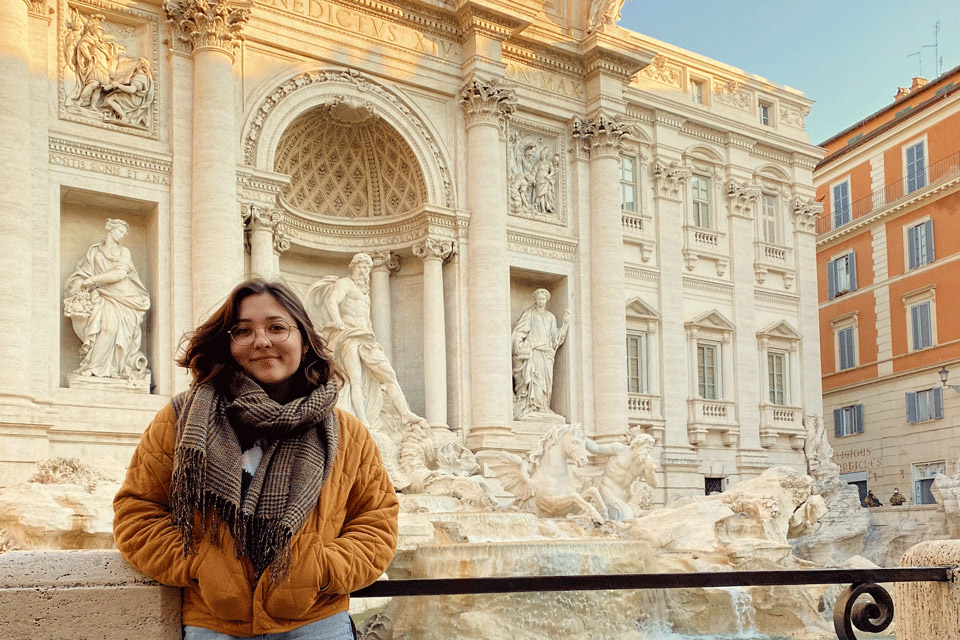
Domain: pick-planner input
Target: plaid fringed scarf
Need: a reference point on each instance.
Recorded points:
(301, 447)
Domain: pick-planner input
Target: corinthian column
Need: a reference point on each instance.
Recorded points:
(261, 224)
(608, 311)
(433, 253)
(211, 28)
(381, 315)
(15, 215)
(486, 107)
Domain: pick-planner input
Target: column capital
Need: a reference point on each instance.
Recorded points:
(487, 102)
(600, 134)
(386, 260)
(669, 178)
(280, 241)
(256, 216)
(805, 215)
(742, 196)
(196, 24)
(435, 248)
(39, 8)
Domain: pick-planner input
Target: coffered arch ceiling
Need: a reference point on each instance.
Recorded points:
(345, 161)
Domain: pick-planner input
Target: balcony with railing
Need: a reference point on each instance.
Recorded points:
(637, 230)
(940, 171)
(704, 416)
(779, 420)
(773, 258)
(705, 243)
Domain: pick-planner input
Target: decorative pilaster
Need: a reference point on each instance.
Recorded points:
(211, 29)
(486, 107)
(16, 238)
(40, 8)
(434, 252)
(602, 136)
(260, 225)
(384, 263)
(805, 216)
(670, 179)
(281, 243)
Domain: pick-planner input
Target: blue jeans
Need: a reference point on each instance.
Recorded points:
(336, 627)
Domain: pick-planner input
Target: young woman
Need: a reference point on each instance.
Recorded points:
(250, 491)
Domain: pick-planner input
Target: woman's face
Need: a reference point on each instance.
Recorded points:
(272, 364)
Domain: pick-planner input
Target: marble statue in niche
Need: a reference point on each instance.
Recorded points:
(536, 339)
(107, 84)
(629, 475)
(106, 303)
(534, 178)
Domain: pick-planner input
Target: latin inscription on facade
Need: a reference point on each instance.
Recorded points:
(540, 79)
(370, 26)
(71, 155)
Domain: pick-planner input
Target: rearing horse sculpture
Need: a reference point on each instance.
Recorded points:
(545, 483)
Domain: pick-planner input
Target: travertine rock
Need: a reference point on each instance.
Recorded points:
(927, 610)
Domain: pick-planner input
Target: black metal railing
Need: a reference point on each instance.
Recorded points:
(892, 192)
(867, 616)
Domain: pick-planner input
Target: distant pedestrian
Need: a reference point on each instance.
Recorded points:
(872, 501)
(897, 498)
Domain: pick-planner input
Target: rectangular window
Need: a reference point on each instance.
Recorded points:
(712, 486)
(776, 368)
(923, 476)
(916, 167)
(637, 363)
(921, 326)
(696, 90)
(701, 201)
(765, 114)
(842, 275)
(841, 204)
(925, 405)
(848, 420)
(768, 218)
(846, 348)
(920, 244)
(707, 371)
(628, 183)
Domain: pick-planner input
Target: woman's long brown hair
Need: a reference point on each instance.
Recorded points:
(207, 350)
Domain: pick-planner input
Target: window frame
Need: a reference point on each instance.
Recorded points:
(765, 113)
(703, 346)
(849, 259)
(923, 175)
(642, 358)
(925, 472)
(932, 402)
(848, 420)
(833, 203)
(773, 217)
(784, 387)
(925, 296)
(697, 205)
(843, 323)
(919, 252)
(634, 183)
(698, 90)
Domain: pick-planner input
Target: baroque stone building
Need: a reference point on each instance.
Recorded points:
(478, 150)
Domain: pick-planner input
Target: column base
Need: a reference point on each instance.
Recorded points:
(499, 437)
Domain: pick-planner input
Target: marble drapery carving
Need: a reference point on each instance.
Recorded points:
(106, 302)
(106, 83)
(536, 339)
(603, 12)
(534, 176)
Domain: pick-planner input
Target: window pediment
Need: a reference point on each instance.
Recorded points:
(779, 331)
(710, 321)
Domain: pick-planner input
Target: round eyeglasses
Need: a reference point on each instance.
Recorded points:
(276, 331)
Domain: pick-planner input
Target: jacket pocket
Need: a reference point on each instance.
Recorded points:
(219, 575)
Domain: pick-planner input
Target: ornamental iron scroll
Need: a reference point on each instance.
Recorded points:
(871, 617)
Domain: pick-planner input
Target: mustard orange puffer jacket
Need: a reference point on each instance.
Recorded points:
(346, 542)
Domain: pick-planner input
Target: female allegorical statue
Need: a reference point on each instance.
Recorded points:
(106, 301)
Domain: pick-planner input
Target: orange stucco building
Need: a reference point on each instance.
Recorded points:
(888, 260)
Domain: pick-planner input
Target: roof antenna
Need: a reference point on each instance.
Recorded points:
(936, 50)
(919, 55)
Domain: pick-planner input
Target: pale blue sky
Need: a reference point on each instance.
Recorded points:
(848, 55)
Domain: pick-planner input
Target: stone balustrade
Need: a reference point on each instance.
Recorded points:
(927, 610)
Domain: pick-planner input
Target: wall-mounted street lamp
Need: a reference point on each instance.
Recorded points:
(944, 374)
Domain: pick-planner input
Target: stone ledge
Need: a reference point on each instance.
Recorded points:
(927, 610)
(93, 595)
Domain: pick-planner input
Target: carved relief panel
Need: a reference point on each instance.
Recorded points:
(107, 63)
(535, 182)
